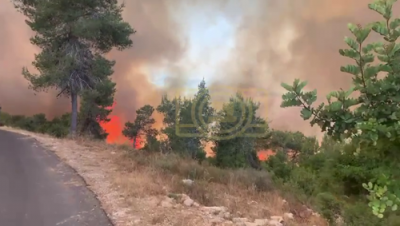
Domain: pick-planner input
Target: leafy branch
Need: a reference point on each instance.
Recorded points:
(372, 118)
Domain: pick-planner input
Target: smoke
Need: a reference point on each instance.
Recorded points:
(274, 42)
(284, 40)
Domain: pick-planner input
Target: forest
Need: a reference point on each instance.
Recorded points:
(352, 174)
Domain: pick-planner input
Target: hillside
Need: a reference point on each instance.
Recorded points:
(145, 189)
(196, 158)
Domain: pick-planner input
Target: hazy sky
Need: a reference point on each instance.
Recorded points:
(236, 43)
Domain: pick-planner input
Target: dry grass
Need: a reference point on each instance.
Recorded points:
(130, 185)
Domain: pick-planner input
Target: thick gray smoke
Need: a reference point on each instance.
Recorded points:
(275, 41)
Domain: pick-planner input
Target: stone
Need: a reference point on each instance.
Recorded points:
(167, 203)
(250, 224)
(188, 202)
(261, 222)
(240, 220)
(277, 218)
(214, 209)
(187, 182)
(227, 215)
(217, 220)
(288, 216)
(274, 223)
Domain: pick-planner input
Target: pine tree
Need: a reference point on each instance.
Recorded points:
(237, 133)
(187, 122)
(95, 108)
(73, 35)
(142, 127)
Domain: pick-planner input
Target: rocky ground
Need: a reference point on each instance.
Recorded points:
(133, 195)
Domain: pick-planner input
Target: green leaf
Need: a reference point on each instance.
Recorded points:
(383, 58)
(394, 207)
(313, 97)
(368, 48)
(349, 92)
(368, 58)
(351, 69)
(395, 49)
(385, 67)
(362, 35)
(287, 87)
(306, 113)
(371, 71)
(377, 8)
(380, 27)
(389, 203)
(336, 106)
(389, 47)
(383, 207)
(300, 86)
(352, 43)
(394, 23)
(352, 27)
(350, 53)
(380, 50)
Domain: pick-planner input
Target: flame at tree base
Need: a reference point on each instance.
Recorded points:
(114, 129)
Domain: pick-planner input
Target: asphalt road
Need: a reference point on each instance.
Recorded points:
(37, 189)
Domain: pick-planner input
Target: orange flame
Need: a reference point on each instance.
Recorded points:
(265, 154)
(115, 126)
(114, 129)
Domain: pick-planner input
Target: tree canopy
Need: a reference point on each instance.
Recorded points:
(370, 120)
(73, 36)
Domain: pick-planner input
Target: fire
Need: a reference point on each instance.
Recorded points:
(115, 126)
(114, 129)
(265, 154)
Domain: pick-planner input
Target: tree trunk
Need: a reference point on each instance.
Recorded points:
(74, 114)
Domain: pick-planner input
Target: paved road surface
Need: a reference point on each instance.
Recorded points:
(37, 189)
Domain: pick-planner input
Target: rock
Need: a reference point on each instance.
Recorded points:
(153, 201)
(250, 224)
(182, 197)
(288, 216)
(187, 182)
(261, 222)
(215, 210)
(188, 202)
(316, 214)
(240, 224)
(239, 220)
(195, 204)
(174, 196)
(226, 215)
(274, 223)
(277, 218)
(217, 220)
(339, 221)
(167, 203)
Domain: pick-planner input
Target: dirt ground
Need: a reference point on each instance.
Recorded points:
(134, 189)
